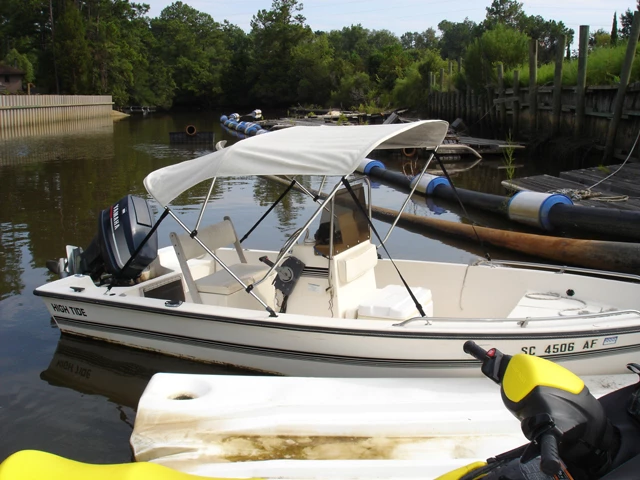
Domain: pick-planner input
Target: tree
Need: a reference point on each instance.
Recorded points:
(15, 59)
(502, 44)
(614, 30)
(456, 37)
(191, 44)
(72, 51)
(626, 19)
(419, 41)
(600, 38)
(312, 61)
(506, 12)
(275, 33)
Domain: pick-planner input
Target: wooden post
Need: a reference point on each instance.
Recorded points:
(450, 75)
(622, 89)
(557, 85)
(515, 119)
(502, 118)
(474, 105)
(581, 88)
(441, 94)
(533, 88)
(467, 105)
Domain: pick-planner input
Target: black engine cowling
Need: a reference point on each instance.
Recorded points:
(121, 230)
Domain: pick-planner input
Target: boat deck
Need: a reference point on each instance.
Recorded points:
(622, 191)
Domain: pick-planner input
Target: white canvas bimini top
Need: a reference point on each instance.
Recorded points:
(323, 150)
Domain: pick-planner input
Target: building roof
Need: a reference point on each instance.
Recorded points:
(7, 70)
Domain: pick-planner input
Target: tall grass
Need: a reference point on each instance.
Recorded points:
(604, 65)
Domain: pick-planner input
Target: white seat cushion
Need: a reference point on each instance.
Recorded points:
(221, 283)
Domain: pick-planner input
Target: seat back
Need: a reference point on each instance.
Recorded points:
(214, 236)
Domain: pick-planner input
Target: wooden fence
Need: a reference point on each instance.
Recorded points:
(608, 116)
(22, 110)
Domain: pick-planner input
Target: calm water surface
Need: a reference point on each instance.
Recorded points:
(75, 397)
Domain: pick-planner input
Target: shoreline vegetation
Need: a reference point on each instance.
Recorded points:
(185, 58)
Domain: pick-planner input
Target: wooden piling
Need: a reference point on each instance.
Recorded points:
(533, 88)
(581, 87)
(557, 84)
(502, 106)
(515, 105)
(622, 89)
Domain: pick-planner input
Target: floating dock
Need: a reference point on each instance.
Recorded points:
(621, 191)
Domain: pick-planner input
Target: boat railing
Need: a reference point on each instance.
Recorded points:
(560, 269)
(522, 322)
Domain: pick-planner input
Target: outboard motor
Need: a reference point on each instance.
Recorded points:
(121, 230)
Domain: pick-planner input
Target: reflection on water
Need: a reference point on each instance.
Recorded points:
(118, 373)
(53, 141)
(54, 184)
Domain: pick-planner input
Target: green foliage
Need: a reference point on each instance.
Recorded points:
(71, 50)
(353, 89)
(504, 12)
(456, 37)
(275, 34)
(501, 45)
(17, 60)
(411, 90)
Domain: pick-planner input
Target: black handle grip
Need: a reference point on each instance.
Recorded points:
(549, 458)
(265, 259)
(473, 349)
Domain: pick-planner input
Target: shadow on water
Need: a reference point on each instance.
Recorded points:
(116, 372)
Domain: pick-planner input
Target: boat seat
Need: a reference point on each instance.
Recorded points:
(222, 283)
(201, 273)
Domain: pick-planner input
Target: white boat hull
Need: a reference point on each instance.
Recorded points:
(301, 345)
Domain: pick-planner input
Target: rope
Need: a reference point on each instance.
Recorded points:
(576, 194)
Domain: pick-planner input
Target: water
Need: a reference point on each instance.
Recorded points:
(77, 398)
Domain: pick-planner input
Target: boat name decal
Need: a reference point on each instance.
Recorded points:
(74, 369)
(116, 217)
(610, 340)
(65, 309)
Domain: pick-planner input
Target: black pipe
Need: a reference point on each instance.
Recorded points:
(607, 221)
(393, 178)
(483, 201)
(604, 221)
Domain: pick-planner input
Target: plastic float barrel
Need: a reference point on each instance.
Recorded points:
(223, 118)
(367, 164)
(241, 126)
(191, 130)
(428, 183)
(532, 208)
(252, 129)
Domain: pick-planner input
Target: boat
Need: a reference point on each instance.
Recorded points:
(203, 426)
(326, 304)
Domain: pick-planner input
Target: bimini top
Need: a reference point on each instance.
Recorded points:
(325, 150)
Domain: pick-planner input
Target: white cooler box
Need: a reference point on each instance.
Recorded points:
(393, 302)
